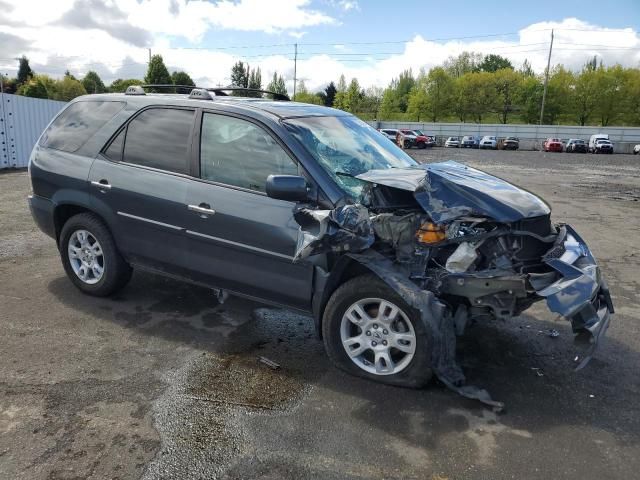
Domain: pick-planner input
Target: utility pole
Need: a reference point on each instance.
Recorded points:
(295, 68)
(149, 54)
(546, 79)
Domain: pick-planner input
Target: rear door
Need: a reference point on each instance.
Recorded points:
(238, 238)
(141, 181)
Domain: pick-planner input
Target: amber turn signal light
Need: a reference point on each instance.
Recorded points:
(430, 233)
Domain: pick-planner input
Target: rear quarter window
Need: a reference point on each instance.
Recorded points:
(78, 123)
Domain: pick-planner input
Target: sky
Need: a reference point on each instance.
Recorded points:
(372, 40)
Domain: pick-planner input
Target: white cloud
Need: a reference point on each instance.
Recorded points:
(53, 46)
(347, 5)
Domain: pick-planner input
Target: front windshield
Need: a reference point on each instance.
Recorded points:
(345, 147)
(418, 132)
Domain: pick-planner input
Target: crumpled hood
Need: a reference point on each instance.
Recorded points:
(449, 190)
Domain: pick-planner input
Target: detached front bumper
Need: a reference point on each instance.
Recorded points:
(576, 290)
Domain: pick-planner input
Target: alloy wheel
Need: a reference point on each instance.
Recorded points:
(378, 336)
(86, 256)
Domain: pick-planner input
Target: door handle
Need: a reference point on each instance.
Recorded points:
(204, 209)
(102, 184)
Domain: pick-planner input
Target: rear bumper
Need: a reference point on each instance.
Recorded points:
(42, 210)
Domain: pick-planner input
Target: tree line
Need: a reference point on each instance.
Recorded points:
(470, 87)
(37, 85)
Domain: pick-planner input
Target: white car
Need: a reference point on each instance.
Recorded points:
(390, 133)
(489, 142)
(452, 142)
(636, 149)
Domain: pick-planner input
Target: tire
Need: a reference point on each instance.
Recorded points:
(412, 370)
(116, 272)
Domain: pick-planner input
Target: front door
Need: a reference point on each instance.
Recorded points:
(238, 238)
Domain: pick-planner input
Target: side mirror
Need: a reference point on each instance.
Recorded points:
(287, 187)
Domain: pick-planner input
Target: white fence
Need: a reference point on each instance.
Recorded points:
(22, 120)
(531, 136)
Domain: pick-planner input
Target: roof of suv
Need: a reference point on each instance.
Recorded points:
(281, 109)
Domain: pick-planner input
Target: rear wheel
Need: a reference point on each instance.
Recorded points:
(90, 257)
(371, 332)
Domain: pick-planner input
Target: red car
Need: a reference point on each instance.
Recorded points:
(412, 138)
(553, 145)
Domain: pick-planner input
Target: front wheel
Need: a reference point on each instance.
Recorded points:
(371, 332)
(90, 257)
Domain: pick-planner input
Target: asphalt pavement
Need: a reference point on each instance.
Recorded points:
(161, 381)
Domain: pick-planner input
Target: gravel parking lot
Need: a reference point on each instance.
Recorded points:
(161, 381)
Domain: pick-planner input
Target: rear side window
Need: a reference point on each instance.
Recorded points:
(78, 123)
(239, 153)
(158, 138)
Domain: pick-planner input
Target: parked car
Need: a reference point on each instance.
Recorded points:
(258, 198)
(603, 146)
(510, 143)
(489, 142)
(594, 139)
(406, 138)
(576, 145)
(553, 145)
(390, 133)
(452, 142)
(469, 141)
(636, 149)
(423, 140)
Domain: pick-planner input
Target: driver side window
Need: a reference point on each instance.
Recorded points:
(239, 153)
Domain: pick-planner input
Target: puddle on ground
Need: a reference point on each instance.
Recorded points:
(239, 380)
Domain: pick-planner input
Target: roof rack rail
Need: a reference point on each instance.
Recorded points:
(167, 85)
(220, 91)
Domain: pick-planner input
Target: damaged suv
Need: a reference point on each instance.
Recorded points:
(309, 208)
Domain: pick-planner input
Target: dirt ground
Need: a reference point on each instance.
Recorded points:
(161, 381)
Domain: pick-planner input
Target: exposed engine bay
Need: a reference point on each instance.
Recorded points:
(478, 245)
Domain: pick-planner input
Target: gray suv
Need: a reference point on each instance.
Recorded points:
(308, 208)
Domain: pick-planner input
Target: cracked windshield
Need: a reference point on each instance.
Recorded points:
(347, 147)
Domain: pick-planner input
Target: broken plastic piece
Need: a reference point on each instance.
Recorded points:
(462, 258)
(343, 229)
(269, 363)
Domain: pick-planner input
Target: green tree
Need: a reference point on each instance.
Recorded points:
(92, 83)
(492, 63)
(389, 108)
(369, 103)
(340, 98)
(526, 69)
(609, 90)
(529, 98)
(507, 84)
(255, 81)
(403, 87)
(353, 96)
(466, 62)
(120, 85)
(66, 89)
(24, 70)
(560, 95)
(182, 78)
(631, 97)
(277, 84)
(330, 94)
(303, 95)
(34, 87)
(439, 89)
(240, 75)
(476, 96)
(585, 95)
(157, 72)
